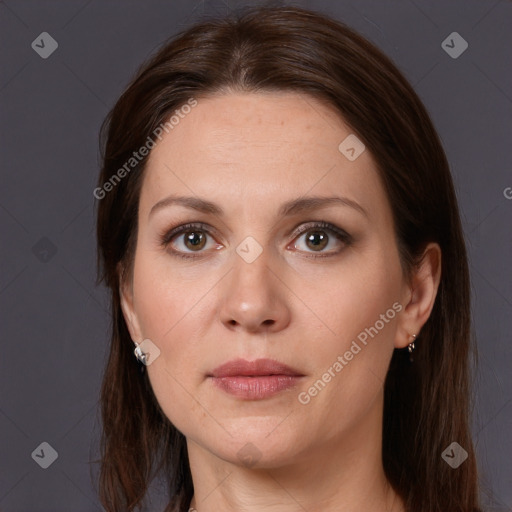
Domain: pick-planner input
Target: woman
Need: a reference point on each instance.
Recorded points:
(279, 231)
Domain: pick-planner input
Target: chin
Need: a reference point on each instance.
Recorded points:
(257, 449)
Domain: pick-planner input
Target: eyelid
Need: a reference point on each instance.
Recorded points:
(320, 224)
(167, 236)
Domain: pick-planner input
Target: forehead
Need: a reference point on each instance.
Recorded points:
(254, 147)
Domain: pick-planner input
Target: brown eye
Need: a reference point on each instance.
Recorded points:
(322, 238)
(317, 240)
(188, 240)
(194, 240)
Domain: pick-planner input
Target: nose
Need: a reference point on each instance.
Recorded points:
(254, 298)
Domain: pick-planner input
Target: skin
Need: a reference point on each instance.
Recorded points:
(249, 153)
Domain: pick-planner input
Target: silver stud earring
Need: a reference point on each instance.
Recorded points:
(141, 357)
(411, 347)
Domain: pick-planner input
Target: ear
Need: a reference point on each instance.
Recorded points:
(419, 295)
(128, 308)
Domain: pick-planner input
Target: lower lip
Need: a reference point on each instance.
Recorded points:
(255, 388)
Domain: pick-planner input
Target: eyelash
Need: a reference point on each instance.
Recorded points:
(167, 237)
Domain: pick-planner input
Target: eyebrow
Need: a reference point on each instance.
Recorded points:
(293, 207)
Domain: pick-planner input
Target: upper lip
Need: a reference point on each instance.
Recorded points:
(259, 367)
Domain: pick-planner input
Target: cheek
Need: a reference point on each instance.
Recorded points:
(364, 288)
(164, 298)
(169, 310)
(350, 366)
(360, 309)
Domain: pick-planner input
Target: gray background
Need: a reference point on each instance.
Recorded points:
(54, 322)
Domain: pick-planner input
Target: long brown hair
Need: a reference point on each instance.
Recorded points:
(426, 404)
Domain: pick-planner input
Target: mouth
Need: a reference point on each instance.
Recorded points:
(254, 380)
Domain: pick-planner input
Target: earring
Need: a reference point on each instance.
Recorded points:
(411, 347)
(141, 357)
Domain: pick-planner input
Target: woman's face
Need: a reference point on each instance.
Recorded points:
(254, 278)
